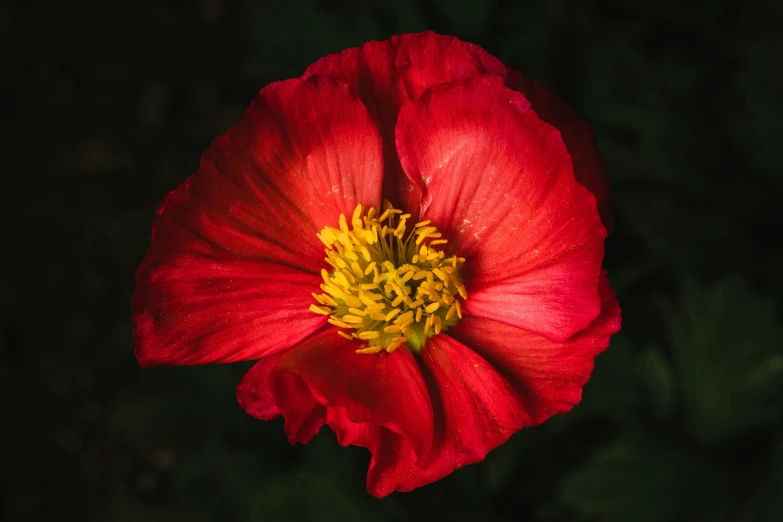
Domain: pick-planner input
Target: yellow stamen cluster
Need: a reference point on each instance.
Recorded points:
(386, 288)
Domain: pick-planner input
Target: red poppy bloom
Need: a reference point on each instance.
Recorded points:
(408, 239)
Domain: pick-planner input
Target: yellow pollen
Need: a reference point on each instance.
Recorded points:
(320, 310)
(388, 284)
(432, 307)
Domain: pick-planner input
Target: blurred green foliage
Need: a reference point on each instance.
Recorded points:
(106, 107)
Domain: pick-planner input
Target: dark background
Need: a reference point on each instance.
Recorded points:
(106, 109)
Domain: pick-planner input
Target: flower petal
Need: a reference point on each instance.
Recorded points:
(193, 310)
(254, 392)
(475, 411)
(589, 167)
(304, 152)
(548, 375)
(387, 74)
(508, 378)
(304, 415)
(382, 389)
(500, 185)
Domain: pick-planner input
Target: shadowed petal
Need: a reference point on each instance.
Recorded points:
(387, 74)
(383, 389)
(194, 310)
(221, 281)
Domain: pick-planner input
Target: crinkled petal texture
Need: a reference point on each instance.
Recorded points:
(504, 169)
(500, 185)
(234, 252)
(387, 74)
(423, 417)
(499, 182)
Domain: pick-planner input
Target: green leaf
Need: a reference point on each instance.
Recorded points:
(639, 480)
(660, 382)
(727, 344)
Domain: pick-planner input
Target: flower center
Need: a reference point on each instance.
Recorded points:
(387, 288)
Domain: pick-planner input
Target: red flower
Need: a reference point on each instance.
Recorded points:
(476, 312)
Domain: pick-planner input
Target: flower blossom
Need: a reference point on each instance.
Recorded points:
(408, 240)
